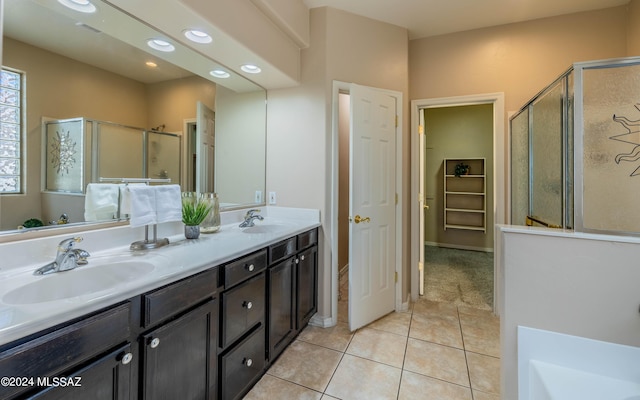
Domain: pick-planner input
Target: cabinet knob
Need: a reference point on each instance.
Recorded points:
(250, 267)
(247, 305)
(248, 362)
(297, 261)
(302, 257)
(126, 358)
(155, 342)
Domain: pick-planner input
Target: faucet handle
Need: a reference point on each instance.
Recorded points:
(67, 244)
(251, 212)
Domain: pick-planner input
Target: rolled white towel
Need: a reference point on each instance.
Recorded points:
(101, 201)
(168, 203)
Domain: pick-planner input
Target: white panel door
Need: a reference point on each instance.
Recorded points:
(205, 148)
(372, 225)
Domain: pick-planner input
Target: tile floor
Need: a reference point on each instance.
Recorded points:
(434, 351)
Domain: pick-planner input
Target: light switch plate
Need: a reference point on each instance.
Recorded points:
(272, 198)
(258, 198)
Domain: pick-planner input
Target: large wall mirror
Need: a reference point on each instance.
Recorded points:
(91, 84)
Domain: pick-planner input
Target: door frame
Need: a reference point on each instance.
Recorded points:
(499, 177)
(343, 87)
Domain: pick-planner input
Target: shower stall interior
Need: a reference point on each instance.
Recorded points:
(575, 151)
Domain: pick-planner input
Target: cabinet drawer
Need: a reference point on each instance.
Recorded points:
(57, 351)
(243, 268)
(307, 239)
(242, 366)
(282, 250)
(242, 307)
(170, 300)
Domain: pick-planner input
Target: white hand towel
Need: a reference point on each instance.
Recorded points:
(140, 201)
(125, 200)
(168, 203)
(101, 201)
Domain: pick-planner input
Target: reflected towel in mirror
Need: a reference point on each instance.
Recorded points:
(101, 201)
(168, 203)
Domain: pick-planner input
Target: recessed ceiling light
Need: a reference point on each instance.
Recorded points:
(251, 69)
(197, 36)
(84, 6)
(151, 64)
(219, 73)
(160, 45)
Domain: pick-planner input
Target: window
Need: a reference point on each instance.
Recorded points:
(11, 109)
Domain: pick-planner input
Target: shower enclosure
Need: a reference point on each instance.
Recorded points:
(81, 150)
(575, 150)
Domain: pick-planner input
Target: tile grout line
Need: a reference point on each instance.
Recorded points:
(464, 350)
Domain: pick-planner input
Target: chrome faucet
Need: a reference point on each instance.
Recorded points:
(67, 257)
(249, 217)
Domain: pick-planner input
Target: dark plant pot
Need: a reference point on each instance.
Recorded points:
(192, 231)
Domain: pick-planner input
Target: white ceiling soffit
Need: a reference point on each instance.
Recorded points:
(425, 18)
(172, 17)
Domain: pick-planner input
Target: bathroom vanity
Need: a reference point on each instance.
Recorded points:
(206, 329)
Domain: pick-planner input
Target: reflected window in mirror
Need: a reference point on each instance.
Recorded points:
(11, 117)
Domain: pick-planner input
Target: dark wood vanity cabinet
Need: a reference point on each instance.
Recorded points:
(242, 357)
(95, 348)
(209, 336)
(179, 357)
(292, 294)
(107, 378)
(307, 286)
(179, 353)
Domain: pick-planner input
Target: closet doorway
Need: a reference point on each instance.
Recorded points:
(457, 212)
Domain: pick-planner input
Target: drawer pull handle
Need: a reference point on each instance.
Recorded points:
(154, 343)
(248, 362)
(247, 305)
(250, 267)
(126, 358)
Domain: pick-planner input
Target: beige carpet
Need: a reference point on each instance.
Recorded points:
(461, 277)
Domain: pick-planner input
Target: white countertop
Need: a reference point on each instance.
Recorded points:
(180, 259)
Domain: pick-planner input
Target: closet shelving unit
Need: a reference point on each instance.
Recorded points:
(465, 197)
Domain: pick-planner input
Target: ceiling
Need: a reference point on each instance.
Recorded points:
(425, 18)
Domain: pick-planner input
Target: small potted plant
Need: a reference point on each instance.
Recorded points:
(461, 169)
(193, 213)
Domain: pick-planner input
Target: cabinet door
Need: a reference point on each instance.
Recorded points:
(281, 311)
(107, 378)
(179, 358)
(307, 286)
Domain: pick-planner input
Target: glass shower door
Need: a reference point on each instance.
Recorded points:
(547, 145)
(520, 168)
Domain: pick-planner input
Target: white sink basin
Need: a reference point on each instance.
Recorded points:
(99, 275)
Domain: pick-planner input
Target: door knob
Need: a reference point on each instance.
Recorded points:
(357, 219)
(426, 207)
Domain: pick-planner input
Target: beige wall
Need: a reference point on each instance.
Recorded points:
(457, 132)
(347, 48)
(633, 28)
(171, 102)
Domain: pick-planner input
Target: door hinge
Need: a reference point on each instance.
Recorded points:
(396, 276)
(396, 198)
(396, 121)
(420, 129)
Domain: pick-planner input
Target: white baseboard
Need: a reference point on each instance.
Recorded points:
(320, 321)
